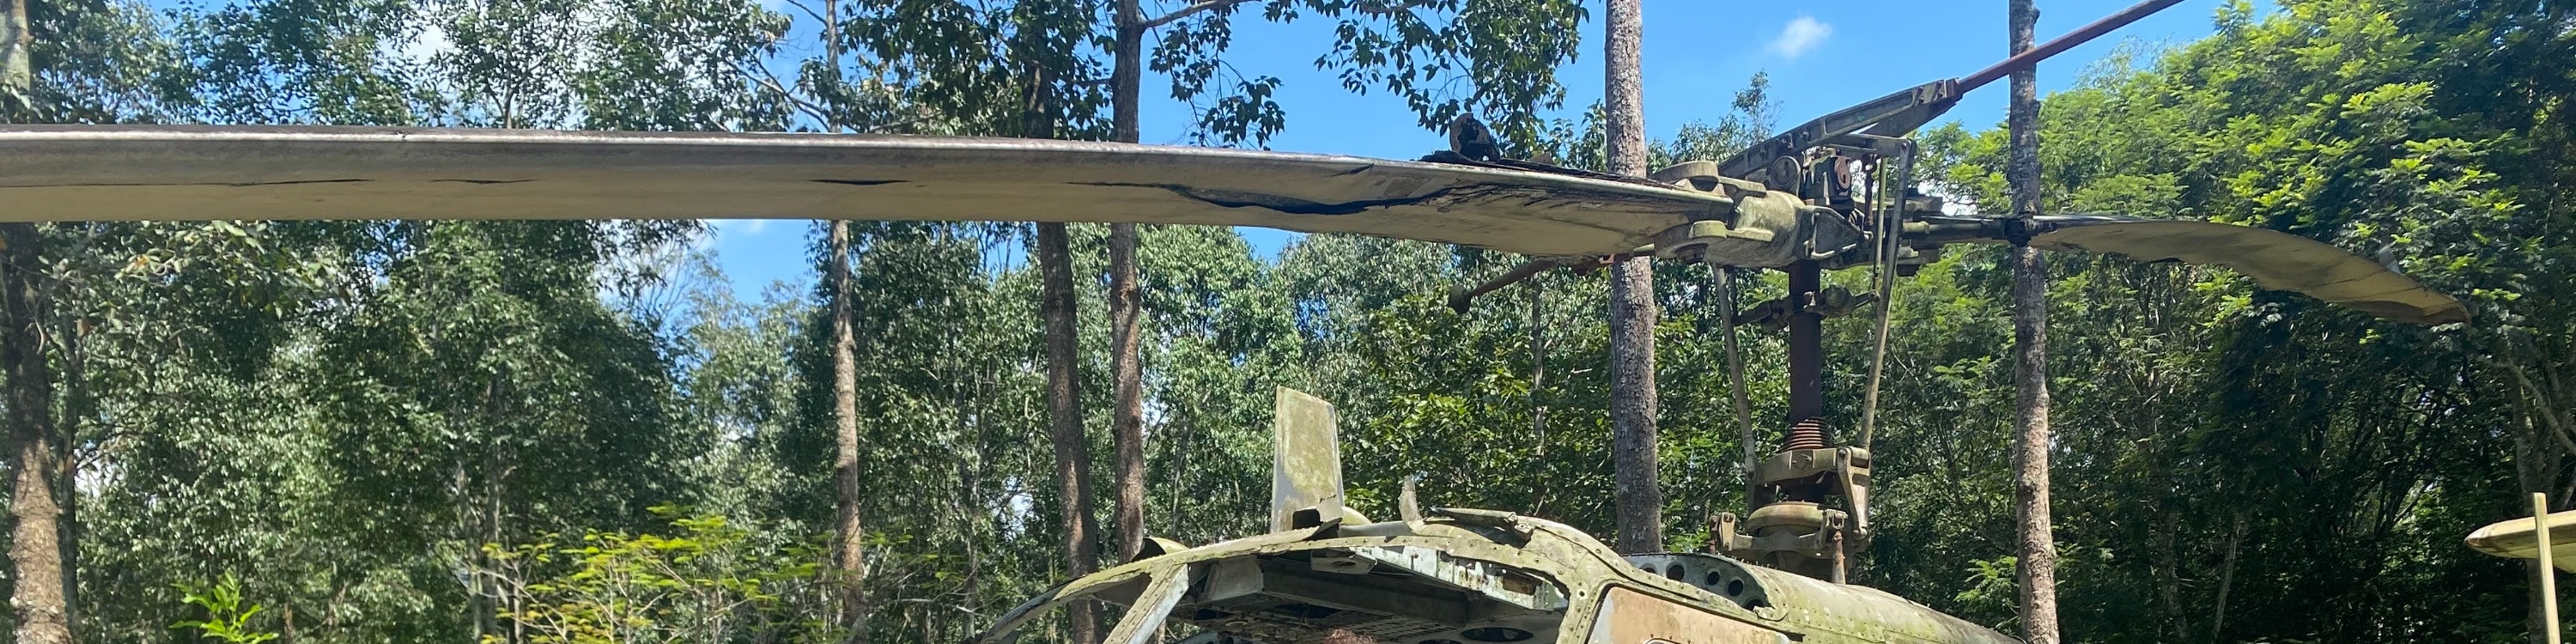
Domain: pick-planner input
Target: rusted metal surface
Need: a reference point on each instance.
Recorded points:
(1631, 617)
(1806, 344)
(1806, 434)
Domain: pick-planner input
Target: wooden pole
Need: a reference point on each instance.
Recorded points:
(2548, 563)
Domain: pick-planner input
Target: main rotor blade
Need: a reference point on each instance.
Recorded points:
(2520, 539)
(2276, 260)
(63, 173)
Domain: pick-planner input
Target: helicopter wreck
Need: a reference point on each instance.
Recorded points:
(1834, 193)
(1458, 576)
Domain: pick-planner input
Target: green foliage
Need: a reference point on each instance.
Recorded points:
(414, 431)
(228, 616)
(710, 581)
(2214, 466)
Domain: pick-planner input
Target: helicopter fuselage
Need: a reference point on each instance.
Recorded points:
(1477, 577)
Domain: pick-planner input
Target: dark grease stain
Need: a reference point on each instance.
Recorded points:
(1277, 203)
(252, 184)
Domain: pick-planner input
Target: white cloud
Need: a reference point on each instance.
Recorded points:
(428, 44)
(1802, 34)
(744, 227)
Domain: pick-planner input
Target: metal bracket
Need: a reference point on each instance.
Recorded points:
(1830, 235)
(1804, 538)
(1765, 229)
(1833, 302)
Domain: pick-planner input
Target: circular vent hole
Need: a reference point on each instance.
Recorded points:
(1496, 634)
(1734, 587)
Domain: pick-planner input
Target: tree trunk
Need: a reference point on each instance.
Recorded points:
(2030, 360)
(1064, 415)
(1537, 293)
(1127, 379)
(78, 407)
(35, 548)
(2537, 459)
(2169, 570)
(850, 530)
(17, 66)
(2226, 578)
(478, 604)
(1064, 391)
(849, 526)
(1126, 366)
(1126, 77)
(493, 489)
(1639, 498)
(2165, 545)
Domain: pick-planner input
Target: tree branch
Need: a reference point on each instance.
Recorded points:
(2539, 399)
(1458, 301)
(809, 11)
(888, 126)
(1185, 12)
(766, 77)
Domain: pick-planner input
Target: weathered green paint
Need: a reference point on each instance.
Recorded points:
(1478, 552)
(1306, 471)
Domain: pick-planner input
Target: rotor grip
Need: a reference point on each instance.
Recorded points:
(1766, 229)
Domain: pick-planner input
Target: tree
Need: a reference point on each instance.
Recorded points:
(1126, 359)
(35, 550)
(2032, 442)
(1512, 80)
(1632, 301)
(1064, 415)
(17, 64)
(59, 62)
(850, 546)
(1045, 65)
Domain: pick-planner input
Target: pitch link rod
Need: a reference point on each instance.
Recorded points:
(1900, 112)
(1896, 114)
(2060, 44)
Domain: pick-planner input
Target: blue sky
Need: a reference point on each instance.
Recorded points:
(1821, 56)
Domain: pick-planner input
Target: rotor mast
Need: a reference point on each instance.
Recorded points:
(1811, 497)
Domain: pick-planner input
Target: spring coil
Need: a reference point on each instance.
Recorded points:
(1807, 434)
